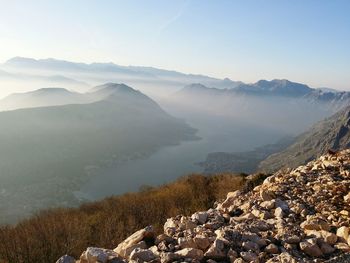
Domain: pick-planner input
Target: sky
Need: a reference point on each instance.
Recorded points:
(302, 40)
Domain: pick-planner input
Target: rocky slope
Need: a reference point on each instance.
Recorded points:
(331, 133)
(300, 215)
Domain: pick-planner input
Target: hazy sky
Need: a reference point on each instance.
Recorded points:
(302, 40)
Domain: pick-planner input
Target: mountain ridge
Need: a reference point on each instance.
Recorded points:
(330, 133)
(61, 146)
(275, 87)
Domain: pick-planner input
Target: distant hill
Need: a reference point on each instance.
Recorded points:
(47, 152)
(60, 96)
(42, 97)
(331, 133)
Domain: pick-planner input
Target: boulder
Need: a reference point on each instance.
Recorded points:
(186, 242)
(200, 217)
(143, 255)
(98, 255)
(134, 241)
(231, 196)
(170, 226)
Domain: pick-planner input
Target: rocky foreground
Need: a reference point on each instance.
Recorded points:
(300, 215)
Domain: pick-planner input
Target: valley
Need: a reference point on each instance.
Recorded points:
(62, 147)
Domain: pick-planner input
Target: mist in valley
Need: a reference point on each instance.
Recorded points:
(77, 140)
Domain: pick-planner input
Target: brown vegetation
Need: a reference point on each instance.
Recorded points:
(52, 233)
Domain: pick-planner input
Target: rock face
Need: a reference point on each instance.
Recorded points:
(300, 215)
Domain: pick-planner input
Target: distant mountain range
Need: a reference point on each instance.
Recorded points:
(47, 152)
(54, 72)
(51, 72)
(273, 88)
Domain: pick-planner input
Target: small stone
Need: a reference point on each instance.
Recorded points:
(249, 256)
(284, 257)
(168, 257)
(232, 255)
(271, 249)
(66, 259)
(216, 250)
(347, 197)
(310, 249)
(344, 213)
(326, 248)
(315, 224)
(193, 253)
(235, 212)
(343, 233)
(249, 245)
(279, 212)
(243, 217)
(201, 242)
(266, 195)
(282, 204)
(343, 247)
(292, 239)
(268, 204)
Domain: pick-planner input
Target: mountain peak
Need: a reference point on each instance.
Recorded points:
(19, 59)
(283, 87)
(52, 90)
(114, 87)
(196, 86)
